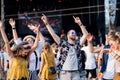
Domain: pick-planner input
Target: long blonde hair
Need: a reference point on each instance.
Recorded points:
(47, 47)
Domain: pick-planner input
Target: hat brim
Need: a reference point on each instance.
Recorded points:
(29, 36)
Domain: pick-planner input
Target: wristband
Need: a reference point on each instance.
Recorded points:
(46, 23)
(13, 28)
(81, 24)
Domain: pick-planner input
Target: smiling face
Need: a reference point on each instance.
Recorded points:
(30, 41)
(25, 52)
(115, 42)
(24, 49)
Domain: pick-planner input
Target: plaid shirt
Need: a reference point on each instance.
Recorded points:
(63, 52)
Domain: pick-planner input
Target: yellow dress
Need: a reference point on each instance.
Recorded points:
(44, 72)
(18, 69)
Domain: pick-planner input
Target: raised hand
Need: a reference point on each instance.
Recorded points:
(36, 29)
(89, 37)
(77, 20)
(33, 28)
(12, 22)
(44, 19)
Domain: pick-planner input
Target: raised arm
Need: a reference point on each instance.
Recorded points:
(12, 23)
(36, 40)
(5, 39)
(53, 34)
(41, 37)
(115, 55)
(32, 27)
(89, 41)
(84, 31)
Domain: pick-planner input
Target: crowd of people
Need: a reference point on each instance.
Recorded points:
(70, 58)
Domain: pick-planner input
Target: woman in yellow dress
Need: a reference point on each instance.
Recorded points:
(18, 56)
(47, 61)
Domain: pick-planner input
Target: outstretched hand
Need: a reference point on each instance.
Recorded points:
(77, 20)
(12, 22)
(36, 29)
(33, 27)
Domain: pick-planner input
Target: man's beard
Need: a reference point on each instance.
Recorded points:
(73, 39)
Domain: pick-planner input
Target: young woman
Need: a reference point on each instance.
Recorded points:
(18, 56)
(115, 52)
(47, 61)
(34, 59)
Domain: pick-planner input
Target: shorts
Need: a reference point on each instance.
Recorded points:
(92, 72)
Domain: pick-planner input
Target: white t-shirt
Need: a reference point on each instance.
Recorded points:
(71, 62)
(18, 41)
(109, 72)
(90, 58)
(117, 64)
(32, 63)
(5, 57)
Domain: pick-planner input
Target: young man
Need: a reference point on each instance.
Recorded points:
(70, 57)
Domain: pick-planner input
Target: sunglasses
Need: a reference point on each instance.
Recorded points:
(73, 33)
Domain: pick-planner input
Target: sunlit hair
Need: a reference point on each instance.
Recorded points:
(111, 34)
(47, 47)
(19, 48)
(116, 39)
(117, 34)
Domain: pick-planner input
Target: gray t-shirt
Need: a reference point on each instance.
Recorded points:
(71, 62)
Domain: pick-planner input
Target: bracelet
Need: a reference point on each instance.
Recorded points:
(81, 24)
(46, 23)
(13, 28)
